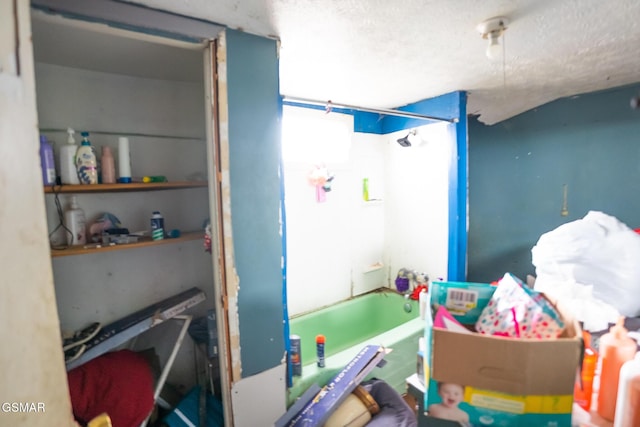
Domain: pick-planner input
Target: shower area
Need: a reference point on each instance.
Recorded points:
(361, 208)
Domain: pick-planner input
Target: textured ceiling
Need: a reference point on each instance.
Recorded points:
(385, 54)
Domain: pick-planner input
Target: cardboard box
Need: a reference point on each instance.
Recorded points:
(502, 381)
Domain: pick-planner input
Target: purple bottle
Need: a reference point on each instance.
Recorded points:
(47, 162)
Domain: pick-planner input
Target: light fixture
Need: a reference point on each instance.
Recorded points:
(404, 141)
(492, 29)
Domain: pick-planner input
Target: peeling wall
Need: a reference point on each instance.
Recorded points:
(231, 281)
(253, 192)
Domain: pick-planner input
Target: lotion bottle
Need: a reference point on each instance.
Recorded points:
(616, 348)
(86, 163)
(628, 402)
(68, 170)
(75, 222)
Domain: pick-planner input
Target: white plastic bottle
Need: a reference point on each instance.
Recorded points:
(628, 401)
(75, 221)
(68, 170)
(86, 163)
(124, 160)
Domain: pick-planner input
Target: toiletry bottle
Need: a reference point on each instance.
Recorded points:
(157, 226)
(583, 389)
(628, 403)
(124, 160)
(108, 166)
(616, 348)
(86, 163)
(68, 170)
(75, 222)
(47, 162)
(156, 178)
(320, 340)
(296, 361)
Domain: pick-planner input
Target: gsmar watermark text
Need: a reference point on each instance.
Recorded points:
(22, 407)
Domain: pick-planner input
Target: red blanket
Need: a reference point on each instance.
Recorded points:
(118, 383)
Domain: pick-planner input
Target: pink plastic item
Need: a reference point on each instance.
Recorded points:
(445, 320)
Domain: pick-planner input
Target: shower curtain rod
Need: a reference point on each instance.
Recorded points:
(384, 111)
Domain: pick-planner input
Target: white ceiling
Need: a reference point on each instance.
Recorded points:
(385, 54)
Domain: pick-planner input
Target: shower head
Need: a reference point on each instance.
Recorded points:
(405, 142)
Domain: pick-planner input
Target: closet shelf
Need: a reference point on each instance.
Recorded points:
(120, 188)
(146, 241)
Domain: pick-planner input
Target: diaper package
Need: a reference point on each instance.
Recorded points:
(464, 300)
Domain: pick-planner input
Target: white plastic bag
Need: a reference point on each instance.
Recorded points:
(593, 265)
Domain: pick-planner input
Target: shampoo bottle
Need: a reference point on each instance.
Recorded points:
(47, 162)
(628, 403)
(68, 170)
(616, 348)
(86, 163)
(75, 222)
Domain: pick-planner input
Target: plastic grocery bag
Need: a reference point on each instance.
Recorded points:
(593, 266)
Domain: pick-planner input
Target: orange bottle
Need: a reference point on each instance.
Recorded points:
(583, 389)
(616, 348)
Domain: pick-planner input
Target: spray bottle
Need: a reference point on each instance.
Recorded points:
(616, 348)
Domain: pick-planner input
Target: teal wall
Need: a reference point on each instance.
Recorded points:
(517, 169)
(254, 153)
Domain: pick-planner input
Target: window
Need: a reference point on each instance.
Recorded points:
(313, 136)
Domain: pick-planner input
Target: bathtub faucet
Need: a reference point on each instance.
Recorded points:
(408, 279)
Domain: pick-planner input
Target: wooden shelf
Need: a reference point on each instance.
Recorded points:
(119, 188)
(145, 241)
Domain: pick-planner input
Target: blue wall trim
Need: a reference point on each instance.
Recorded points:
(283, 228)
(254, 163)
(458, 196)
(446, 106)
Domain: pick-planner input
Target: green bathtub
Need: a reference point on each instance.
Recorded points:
(376, 318)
